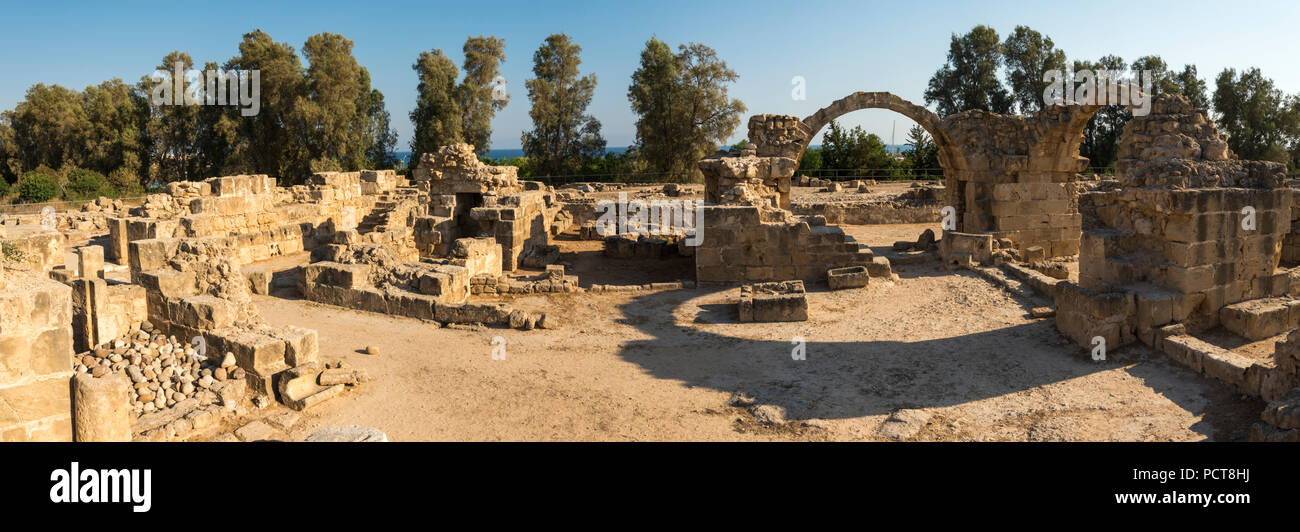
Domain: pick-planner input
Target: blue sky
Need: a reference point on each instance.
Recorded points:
(838, 47)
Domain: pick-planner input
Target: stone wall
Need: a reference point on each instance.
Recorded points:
(1005, 175)
(1187, 232)
(41, 249)
(917, 205)
(35, 358)
(470, 199)
(1009, 176)
(259, 219)
(734, 175)
(102, 310)
(749, 243)
(195, 289)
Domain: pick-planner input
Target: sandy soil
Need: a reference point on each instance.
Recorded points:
(958, 355)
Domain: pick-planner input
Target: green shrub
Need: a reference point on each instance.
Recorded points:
(4, 188)
(86, 185)
(36, 188)
(9, 252)
(125, 183)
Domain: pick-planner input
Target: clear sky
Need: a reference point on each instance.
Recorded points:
(838, 47)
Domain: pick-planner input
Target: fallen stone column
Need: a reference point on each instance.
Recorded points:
(101, 408)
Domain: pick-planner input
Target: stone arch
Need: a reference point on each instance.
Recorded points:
(1071, 119)
(949, 156)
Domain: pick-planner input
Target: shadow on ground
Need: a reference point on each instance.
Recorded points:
(840, 380)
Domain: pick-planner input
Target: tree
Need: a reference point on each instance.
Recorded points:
(854, 149)
(1259, 119)
(379, 132)
(49, 127)
(1157, 74)
(172, 127)
(1101, 136)
(271, 141)
(116, 117)
(969, 79)
(1028, 55)
(682, 105)
(37, 187)
(217, 136)
(924, 154)
(564, 137)
(437, 115)
(1192, 87)
(329, 106)
(10, 167)
(86, 184)
(478, 105)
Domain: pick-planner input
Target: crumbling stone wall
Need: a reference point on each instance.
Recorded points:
(195, 290)
(35, 357)
(259, 219)
(917, 205)
(750, 243)
(1009, 175)
(732, 176)
(1172, 243)
(471, 199)
(102, 310)
(1004, 175)
(41, 249)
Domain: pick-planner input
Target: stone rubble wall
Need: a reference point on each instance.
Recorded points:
(746, 243)
(41, 249)
(1005, 175)
(1165, 246)
(518, 214)
(260, 219)
(35, 358)
(742, 177)
(195, 289)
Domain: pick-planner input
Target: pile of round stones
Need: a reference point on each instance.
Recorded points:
(163, 371)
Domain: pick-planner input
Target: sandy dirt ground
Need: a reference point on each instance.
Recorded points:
(936, 355)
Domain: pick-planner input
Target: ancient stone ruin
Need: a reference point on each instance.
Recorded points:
(139, 320)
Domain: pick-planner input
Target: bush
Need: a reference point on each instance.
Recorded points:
(9, 251)
(125, 182)
(86, 185)
(4, 187)
(36, 187)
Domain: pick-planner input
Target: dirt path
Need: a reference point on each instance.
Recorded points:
(958, 354)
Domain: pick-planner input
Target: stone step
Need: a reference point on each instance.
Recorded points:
(1258, 319)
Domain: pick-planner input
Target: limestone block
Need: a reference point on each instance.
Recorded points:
(254, 351)
(90, 261)
(773, 302)
(487, 313)
(151, 254)
(1261, 318)
(168, 282)
(101, 408)
(202, 312)
(301, 345)
(847, 277)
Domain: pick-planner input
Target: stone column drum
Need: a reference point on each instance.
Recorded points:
(101, 408)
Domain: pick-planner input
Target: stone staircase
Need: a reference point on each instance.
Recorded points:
(1258, 319)
(392, 210)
